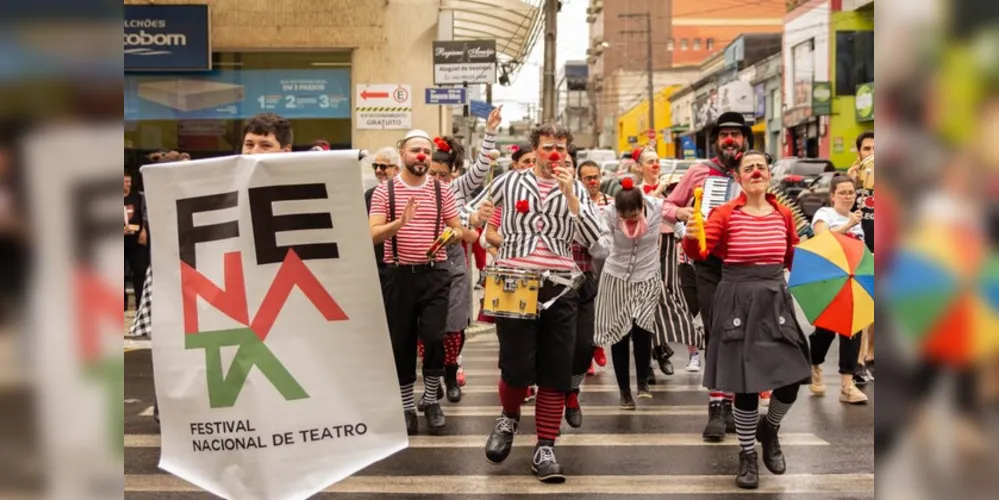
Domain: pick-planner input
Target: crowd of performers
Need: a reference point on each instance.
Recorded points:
(599, 271)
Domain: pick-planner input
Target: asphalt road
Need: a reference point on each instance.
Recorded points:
(655, 452)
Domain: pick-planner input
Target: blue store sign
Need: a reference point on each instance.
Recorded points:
(167, 38)
(234, 94)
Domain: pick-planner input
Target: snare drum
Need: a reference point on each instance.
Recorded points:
(511, 293)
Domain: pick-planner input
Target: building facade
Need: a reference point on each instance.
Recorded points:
(828, 77)
(699, 29)
(768, 95)
(572, 101)
(327, 66)
(633, 126)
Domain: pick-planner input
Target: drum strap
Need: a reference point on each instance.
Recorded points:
(391, 217)
(570, 283)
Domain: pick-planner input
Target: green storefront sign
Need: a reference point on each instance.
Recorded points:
(821, 98)
(865, 102)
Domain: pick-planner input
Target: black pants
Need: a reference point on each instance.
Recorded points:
(585, 323)
(643, 357)
(137, 258)
(416, 308)
(751, 402)
(688, 284)
(820, 341)
(540, 351)
(708, 275)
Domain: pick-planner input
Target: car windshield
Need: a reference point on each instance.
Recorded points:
(809, 168)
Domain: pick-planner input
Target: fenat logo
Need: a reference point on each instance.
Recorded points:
(138, 44)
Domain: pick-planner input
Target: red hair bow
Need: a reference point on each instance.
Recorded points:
(523, 206)
(442, 145)
(636, 154)
(514, 148)
(627, 183)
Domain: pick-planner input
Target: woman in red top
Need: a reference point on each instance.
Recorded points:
(756, 343)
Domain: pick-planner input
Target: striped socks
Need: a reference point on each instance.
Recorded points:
(407, 397)
(430, 386)
(511, 398)
(717, 396)
(745, 427)
(691, 350)
(548, 413)
(577, 381)
(777, 411)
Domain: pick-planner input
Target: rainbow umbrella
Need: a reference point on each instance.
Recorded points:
(833, 281)
(942, 293)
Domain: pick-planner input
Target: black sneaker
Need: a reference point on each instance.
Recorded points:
(749, 470)
(435, 419)
(644, 392)
(729, 416)
(773, 456)
(627, 403)
(573, 413)
(862, 376)
(544, 464)
(412, 423)
(500, 441)
(714, 432)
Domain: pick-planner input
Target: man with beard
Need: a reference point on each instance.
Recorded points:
(731, 137)
(408, 213)
(543, 208)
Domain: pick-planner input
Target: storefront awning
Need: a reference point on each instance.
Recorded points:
(515, 25)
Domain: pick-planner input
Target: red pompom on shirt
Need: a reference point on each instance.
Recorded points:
(523, 206)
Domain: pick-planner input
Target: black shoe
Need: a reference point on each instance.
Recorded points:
(662, 355)
(749, 470)
(666, 366)
(729, 416)
(862, 376)
(412, 423)
(500, 441)
(627, 403)
(773, 456)
(435, 419)
(573, 413)
(544, 464)
(644, 392)
(714, 432)
(451, 380)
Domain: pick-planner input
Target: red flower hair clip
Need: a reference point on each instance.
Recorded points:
(442, 145)
(627, 184)
(514, 148)
(523, 206)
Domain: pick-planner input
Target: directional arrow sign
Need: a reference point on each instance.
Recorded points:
(366, 95)
(384, 106)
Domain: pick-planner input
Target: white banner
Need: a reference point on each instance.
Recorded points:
(271, 353)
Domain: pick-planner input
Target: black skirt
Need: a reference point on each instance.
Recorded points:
(756, 343)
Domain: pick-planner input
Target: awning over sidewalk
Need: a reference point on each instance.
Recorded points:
(515, 25)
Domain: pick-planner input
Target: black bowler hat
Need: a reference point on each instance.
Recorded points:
(731, 119)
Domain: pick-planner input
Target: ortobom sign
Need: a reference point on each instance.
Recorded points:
(471, 62)
(167, 38)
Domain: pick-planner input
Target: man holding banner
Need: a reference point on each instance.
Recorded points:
(409, 214)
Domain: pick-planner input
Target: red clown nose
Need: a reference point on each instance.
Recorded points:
(421, 157)
(757, 174)
(554, 157)
(729, 142)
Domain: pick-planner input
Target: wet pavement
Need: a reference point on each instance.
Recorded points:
(654, 452)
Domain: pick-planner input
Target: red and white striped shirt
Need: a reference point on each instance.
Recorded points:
(755, 239)
(542, 257)
(416, 237)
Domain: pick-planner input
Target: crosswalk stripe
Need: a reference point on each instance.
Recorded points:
(833, 484)
(492, 388)
(589, 411)
(786, 439)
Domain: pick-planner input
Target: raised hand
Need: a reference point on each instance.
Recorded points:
(565, 179)
(495, 118)
(410, 211)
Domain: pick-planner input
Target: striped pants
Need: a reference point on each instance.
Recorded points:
(620, 303)
(674, 321)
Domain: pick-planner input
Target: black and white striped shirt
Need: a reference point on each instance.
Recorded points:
(548, 220)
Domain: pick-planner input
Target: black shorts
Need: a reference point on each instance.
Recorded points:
(540, 351)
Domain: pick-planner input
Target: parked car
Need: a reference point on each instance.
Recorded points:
(815, 195)
(597, 155)
(792, 175)
(672, 170)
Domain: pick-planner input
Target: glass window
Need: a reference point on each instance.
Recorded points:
(670, 45)
(711, 44)
(683, 44)
(854, 60)
(697, 44)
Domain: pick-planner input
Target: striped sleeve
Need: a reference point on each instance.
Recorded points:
(379, 201)
(495, 192)
(449, 209)
(465, 185)
(589, 225)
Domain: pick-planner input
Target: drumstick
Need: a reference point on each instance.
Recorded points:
(702, 241)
